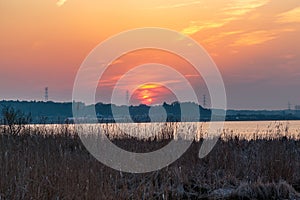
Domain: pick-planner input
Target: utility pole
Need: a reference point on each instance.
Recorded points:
(204, 101)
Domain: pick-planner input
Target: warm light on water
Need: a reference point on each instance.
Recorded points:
(247, 130)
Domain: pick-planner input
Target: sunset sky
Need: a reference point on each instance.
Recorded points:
(255, 44)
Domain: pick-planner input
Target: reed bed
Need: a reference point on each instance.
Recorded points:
(50, 162)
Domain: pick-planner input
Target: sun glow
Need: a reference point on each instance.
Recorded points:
(151, 94)
(147, 98)
(149, 86)
(145, 95)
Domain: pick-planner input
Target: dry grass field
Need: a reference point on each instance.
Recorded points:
(39, 162)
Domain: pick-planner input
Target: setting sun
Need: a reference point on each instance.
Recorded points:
(151, 94)
(145, 96)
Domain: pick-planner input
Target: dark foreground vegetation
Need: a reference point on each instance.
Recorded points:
(51, 163)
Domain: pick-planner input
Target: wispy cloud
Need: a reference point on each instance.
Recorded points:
(259, 37)
(196, 27)
(222, 35)
(231, 12)
(59, 3)
(179, 5)
(253, 38)
(292, 16)
(241, 7)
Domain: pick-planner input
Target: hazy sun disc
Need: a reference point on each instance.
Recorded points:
(151, 94)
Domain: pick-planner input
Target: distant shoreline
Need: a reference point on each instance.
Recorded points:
(60, 113)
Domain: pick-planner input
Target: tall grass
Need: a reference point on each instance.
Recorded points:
(50, 162)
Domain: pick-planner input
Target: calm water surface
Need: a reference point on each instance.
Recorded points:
(242, 129)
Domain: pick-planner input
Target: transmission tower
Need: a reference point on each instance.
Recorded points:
(289, 105)
(204, 101)
(46, 94)
(127, 97)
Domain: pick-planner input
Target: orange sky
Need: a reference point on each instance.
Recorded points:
(255, 43)
(136, 58)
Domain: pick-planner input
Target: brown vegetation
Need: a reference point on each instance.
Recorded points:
(51, 163)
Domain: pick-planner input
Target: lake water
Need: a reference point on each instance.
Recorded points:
(248, 129)
(263, 128)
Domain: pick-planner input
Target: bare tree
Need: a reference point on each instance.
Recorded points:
(15, 119)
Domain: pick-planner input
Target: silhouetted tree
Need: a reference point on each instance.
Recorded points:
(14, 119)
